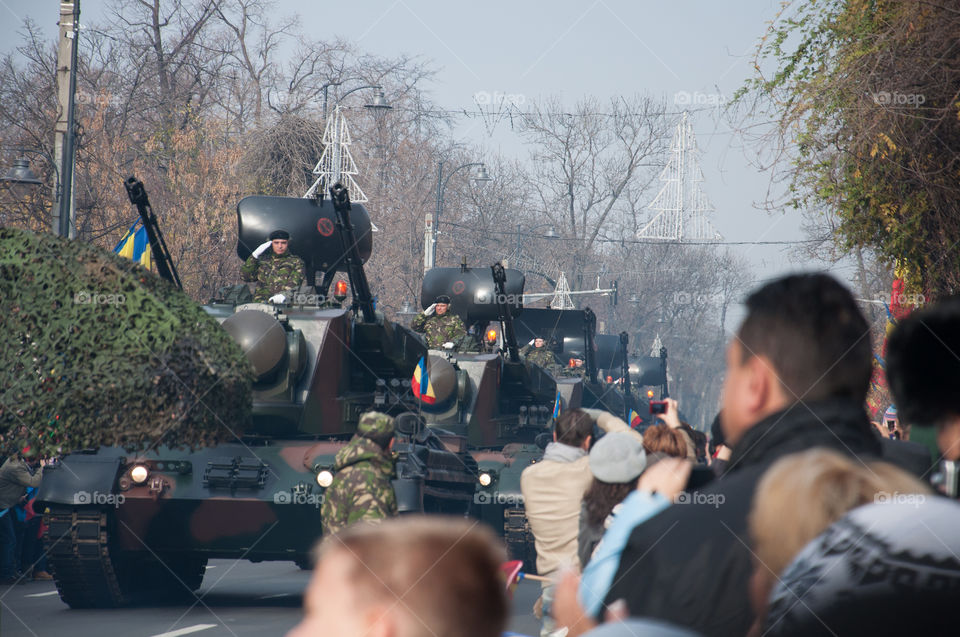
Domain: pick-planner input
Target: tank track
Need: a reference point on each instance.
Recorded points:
(80, 558)
(89, 574)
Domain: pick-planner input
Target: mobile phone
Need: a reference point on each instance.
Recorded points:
(658, 407)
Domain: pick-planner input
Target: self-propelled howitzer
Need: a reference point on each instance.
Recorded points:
(145, 522)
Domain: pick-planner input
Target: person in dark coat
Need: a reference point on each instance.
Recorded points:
(797, 378)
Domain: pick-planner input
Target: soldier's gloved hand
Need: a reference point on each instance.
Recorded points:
(430, 310)
(263, 247)
(531, 341)
(448, 345)
(277, 298)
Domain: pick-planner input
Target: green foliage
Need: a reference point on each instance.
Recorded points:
(97, 351)
(864, 93)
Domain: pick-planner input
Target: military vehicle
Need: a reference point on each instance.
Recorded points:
(125, 526)
(585, 353)
(487, 392)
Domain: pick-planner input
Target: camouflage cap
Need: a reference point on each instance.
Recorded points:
(374, 423)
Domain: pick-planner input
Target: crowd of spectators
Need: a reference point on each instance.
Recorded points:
(798, 517)
(811, 520)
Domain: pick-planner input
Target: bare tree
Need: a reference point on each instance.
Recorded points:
(583, 163)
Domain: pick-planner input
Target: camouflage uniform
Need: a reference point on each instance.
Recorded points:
(361, 488)
(273, 274)
(439, 329)
(542, 356)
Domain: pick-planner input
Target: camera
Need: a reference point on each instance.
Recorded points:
(658, 407)
(947, 478)
(892, 429)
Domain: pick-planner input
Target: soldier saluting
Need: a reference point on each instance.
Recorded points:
(276, 272)
(439, 325)
(538, 353)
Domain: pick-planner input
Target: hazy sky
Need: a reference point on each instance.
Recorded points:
(698, 50)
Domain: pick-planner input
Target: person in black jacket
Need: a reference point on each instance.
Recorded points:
(797, 376)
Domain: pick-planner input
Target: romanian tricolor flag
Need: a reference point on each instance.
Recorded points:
(135, 245)
(422, 388)
(556, 405)
(635, 419)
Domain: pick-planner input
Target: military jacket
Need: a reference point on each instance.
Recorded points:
(273, 274)
(361, 489)
(542, 356)
(439, 329)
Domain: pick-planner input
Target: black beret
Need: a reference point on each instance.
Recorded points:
(280, 234)
(443, 298)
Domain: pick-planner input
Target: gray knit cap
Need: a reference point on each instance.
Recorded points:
(618, 457)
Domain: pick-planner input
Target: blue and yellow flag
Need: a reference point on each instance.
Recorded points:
(635, 419)
(421, 385)
(135, 245)
(556, 405)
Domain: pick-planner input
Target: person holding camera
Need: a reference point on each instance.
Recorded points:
(18, 473)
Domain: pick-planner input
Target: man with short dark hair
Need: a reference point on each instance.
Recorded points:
(278, 273)
(362, 487)
(797, 377)
(553, 488)
(924, 372)
(438, 324)
(414, 576)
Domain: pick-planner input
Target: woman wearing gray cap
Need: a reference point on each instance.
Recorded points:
(616, 461)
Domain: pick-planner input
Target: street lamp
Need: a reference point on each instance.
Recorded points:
(21, 174)
(379, 102)
(550, 234)
(481, 175)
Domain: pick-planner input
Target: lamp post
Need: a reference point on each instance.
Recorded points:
(21, 174)
(65, 221)
(481, 175)
(520, 233)
(379, 101)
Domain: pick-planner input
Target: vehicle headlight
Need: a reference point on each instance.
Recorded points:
(139, 473)
(324, 478)
(485, 479)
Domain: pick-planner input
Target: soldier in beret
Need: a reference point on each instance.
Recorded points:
(362, 489)
(438, 324)
(538, 352)
(275, 273)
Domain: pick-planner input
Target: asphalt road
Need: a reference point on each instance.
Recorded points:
(237, 598)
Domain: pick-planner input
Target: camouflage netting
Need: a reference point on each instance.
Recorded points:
(94, 350)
